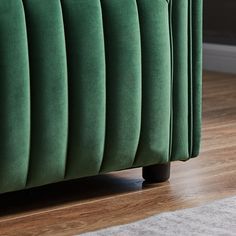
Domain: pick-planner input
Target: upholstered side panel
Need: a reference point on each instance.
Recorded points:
(187, 78)
(49, 91)
(197, 74)
(14, 97)
(180, 138)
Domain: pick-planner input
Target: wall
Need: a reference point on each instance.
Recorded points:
(219, 33)
(220, 21)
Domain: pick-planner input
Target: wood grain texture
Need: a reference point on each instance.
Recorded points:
(122, 197)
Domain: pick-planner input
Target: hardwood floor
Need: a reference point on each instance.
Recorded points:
(122, 197)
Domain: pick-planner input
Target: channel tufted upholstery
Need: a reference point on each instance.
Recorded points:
(92, 86)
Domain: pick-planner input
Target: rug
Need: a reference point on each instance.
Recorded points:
(214, 219)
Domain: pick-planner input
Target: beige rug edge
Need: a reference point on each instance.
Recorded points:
(217, 218)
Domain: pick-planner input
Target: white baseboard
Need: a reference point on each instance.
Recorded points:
(221, 58)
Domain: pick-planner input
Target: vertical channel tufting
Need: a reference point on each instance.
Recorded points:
(190, 84)
(123, 83)
(197, 74)
(14, 97)
(86, 74)
(48, 79)
(133, 66)
(172, 76)
(156, 82)
(180, 145)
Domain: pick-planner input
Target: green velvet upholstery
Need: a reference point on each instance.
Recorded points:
(48, 91)
(92, 86)
(156, 83)
(87, 89)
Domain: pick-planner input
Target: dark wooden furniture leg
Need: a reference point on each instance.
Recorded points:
(156, 173)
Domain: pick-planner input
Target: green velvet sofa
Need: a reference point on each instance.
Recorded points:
(93, 86)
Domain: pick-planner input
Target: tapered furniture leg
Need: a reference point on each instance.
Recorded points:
(156, 173)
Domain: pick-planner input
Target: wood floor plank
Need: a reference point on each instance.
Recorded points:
(122, 197)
